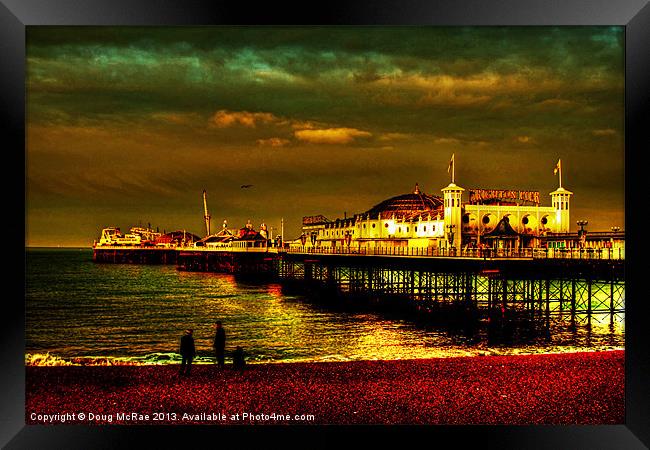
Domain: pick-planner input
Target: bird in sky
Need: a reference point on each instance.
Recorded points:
(246, 186)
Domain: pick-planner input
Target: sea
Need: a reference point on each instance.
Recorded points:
(81, 312)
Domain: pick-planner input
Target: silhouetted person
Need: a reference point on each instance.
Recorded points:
(219, 344)
(188, 352)
(238, 360)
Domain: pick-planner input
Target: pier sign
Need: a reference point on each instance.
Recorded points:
(314, 220)
(481, 195)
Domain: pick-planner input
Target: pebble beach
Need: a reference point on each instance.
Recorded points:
(569, 388)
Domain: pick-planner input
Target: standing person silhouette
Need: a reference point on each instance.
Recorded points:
(187, 351)
(238, 359)
(219, 344)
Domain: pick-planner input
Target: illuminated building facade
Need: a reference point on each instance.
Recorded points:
(507, 219)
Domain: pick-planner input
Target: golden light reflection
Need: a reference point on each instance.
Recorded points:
(143, 320)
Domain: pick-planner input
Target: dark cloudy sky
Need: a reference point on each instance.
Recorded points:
(129, 125)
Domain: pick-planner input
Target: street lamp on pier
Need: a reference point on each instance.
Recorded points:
(582, 233)
(450, 235)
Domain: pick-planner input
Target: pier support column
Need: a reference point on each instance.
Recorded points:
(589, 301)
(468, 288)
(548, 305)
(573, 303)
(412, 283)
(489, 294)
(611, 301)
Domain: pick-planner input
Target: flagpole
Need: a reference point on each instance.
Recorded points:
(453, 168)
(558, 168)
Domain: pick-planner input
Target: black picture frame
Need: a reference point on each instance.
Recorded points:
(15, 15)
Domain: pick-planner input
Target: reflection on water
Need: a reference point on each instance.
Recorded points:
(75, 308)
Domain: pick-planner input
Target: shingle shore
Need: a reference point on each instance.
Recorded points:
(570, 388)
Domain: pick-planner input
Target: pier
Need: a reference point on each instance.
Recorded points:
(500, 255)
(535, 285)
(531, 287)
(250, 261)
(117, 254)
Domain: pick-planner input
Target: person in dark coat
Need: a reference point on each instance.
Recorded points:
(219, 344)
(188, 352)
(238, 359)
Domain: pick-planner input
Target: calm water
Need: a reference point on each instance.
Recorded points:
(76, 308)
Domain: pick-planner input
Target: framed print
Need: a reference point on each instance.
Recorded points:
(243, 219)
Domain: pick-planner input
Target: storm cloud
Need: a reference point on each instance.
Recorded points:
(129, 124)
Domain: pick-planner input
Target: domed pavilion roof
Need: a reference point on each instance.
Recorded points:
(408, 205)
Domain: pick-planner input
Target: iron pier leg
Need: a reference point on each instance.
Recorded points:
(548, 307)
(589, 302)
(611, 301)
(573, 303)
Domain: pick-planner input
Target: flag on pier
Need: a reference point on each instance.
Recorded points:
(558, 167)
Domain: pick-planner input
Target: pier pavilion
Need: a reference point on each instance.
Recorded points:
(489, 218)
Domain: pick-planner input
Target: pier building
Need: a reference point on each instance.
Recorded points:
(144, 237)
(500, 219)
(244, 238)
